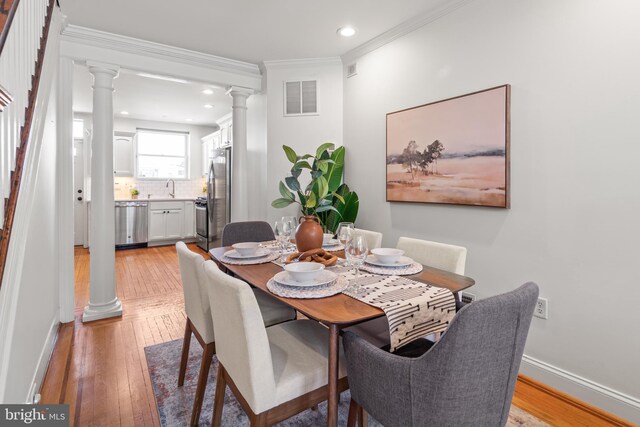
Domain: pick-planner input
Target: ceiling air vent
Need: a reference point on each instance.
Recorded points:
(352, 70)
(301, 98)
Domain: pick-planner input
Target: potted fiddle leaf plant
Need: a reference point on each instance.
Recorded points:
(325, 200)
(134, 193)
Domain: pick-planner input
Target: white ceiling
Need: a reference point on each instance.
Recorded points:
(150, 99)
(252, 31)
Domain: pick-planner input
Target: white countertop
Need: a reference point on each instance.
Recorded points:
(158, 199)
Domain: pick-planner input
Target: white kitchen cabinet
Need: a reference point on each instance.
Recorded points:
(209, 143)
(166, 220)
(157, 224)
(174, 224)
(123, 154)
(171, 220)
(189, 219)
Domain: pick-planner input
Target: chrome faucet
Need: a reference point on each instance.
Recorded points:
(172, 193)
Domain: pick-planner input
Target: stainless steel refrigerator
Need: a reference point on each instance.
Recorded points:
(214, 213)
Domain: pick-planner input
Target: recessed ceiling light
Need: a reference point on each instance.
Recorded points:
(189, 120)
(166, 78)
(124, 113)
(208, 106)
(207, 91)
(346, 31)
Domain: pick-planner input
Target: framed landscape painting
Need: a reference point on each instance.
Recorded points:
(454, 151)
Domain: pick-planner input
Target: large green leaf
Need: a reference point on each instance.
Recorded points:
(281, 203)
(346, 211)
(323, 188)
(324, 147)
(333, 174)
(302, 164)
(284, 192)
(311, 200)
(292, 183)
(291, 155)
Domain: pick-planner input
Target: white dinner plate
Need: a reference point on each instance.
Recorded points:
(330, 243)
(323, 278)
(403, 261)
(259, 253)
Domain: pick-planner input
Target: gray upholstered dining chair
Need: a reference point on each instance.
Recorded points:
(199, 323)
(465, 379)
(247, 231)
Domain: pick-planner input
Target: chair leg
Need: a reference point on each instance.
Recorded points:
(259, 420)
(218, 402)
(353, 413)
(207, 357)
(363, 417)
(185, 353)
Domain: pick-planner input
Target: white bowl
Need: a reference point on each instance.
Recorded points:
(304, 272)
(246, 248)
(327, 238)
(387, 255)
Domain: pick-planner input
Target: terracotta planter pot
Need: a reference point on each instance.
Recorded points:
(308, 233)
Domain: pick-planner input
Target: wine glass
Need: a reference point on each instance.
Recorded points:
(282, 231)
(293, 222)
(356, 251)
(343, 231)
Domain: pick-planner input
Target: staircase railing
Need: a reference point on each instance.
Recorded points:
(24, 27)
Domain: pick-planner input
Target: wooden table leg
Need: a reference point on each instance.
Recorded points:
(334, 345)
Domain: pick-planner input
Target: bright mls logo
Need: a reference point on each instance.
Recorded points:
(34, 415)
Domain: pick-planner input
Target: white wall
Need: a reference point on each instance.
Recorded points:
(573, 227)
(304, 134)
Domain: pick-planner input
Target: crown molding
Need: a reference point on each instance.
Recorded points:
(96, 38)
(300, 63)
(403, 29)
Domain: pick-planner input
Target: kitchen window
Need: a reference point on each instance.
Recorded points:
(162, 154)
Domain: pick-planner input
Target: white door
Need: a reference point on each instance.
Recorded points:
(78, 192)
(157, 223)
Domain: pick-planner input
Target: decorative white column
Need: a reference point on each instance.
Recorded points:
(239, 169)
(103, 301)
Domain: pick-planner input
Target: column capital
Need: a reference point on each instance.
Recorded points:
(96, 67)
(238, 91)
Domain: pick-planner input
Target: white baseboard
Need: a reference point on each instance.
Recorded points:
(43, 360)
(598, 395)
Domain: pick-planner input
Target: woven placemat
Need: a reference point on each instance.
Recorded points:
(304, 292)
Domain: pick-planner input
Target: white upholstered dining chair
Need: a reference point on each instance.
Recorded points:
(274, 372)
(374, 239)
(439, 255)
(446, 257)
(199, 320)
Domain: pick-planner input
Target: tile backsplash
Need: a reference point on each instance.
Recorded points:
(189, 188)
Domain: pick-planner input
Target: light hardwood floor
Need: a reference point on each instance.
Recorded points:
(100, 370)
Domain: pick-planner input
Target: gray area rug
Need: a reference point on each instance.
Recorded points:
(175, 403)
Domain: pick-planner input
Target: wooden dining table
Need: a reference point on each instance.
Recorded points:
(336, 312)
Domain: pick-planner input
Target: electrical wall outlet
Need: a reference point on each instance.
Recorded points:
(542, 308)
(468, 297)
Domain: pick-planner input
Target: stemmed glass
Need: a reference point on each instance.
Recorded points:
(293, 222)
(356, 251)
(282, 231)
(343, 231)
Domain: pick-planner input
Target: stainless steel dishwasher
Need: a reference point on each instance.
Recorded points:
(131, 224)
